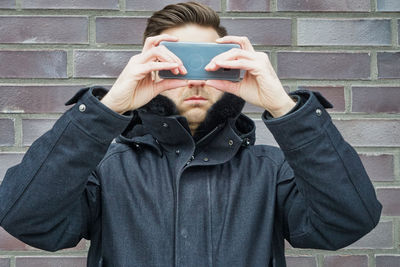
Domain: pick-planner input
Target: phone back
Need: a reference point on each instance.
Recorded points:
(195, 56)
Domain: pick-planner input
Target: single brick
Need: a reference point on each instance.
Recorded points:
(334, 94)
(113, 30)
(263, 135)
(379, 167)
(100, 64)
(36, 99)
(346, 260)
(321, 65)
(7, 161)
(9, 243)
(388, 5)
(14, 29)
(300, 261)
(6, 4)
(50, 261)
(350, 32)
(376, 99)
(388, 65)
(274, 31)
(390, 199)
(324, 5)
(7, 132)
(387, 260)
(34, 128)
(370, 133)
(33, 64)
(138, 5)
(248, 5)
(71, 4)
(4, 262)
(381, 237)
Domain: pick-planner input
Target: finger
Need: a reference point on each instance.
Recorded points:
(243, 41)
(225, 86)
(232, 54)
(182, 68)
(153, 41)
(236, 64)
(155, 66)
(161, 53)
(167, 84)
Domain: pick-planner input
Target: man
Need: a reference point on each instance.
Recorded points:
(184, 184)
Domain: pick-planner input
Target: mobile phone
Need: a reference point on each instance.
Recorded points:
(195, 56)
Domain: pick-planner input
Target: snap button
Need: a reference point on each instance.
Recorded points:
(177, 151)
(165, 125)
(205, 159)
(82, 107)
(184, 233)
(230, 142)
(318, 111)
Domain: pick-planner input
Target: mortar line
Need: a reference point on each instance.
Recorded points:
(273, 5)
(122, 5)
(395, 30)
(374, 65)
(223, 6)
(18, 134)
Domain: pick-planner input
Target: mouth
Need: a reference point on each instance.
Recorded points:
(196, 98)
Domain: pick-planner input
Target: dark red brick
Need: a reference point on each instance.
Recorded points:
(300, 261)
(320, 65)
(43, 29)
(8, 160)
(36, 99)
(4, 262)
(7, 4)
(248, 5)
(100, 64)
(390, 199)
(370, 133)
(274, 31)
(387, 260)
(379, 167)
(136, 5)
(33, 64)
(350, 32)
(7, 132)
(346, 260)
(388, 65)
(34, 128)
(334, 94)
(50, 261)
(381, 237)
(388, 5)
(113, 30)
(376, 99)
(323, 5)
(76, 4)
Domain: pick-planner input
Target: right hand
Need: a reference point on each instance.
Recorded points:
(136, 85)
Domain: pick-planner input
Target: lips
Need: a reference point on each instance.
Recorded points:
(195, 98)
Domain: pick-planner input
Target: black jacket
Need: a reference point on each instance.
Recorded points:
(157, 197)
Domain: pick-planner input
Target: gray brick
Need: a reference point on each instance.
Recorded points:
(70, 4)
(390, 199)
(379, 167)
(370, 133)
(381, 237)
(8, 160)
(274, 31)
(112, 30)
(346, 260)
(50, 261)
(8, 242)
(334, 94)
(36, 99)
(321, 65)
(387, 260)
(4, 262)
(248, 5)
(6, 4)
(376, 99)
(388, 5)
(33, 64)
(42, 29)
(344, 32)
(388, 65)
(398, 29)
(7, 132)
(324, 5)
(137, 5)
(100, 64)
(34, 128)
(300, 261)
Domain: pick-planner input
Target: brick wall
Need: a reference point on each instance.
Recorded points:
(347, 49)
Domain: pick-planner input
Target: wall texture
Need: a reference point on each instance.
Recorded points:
(347, 49)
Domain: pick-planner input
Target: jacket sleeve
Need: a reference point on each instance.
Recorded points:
(50, 198)
(325, 199)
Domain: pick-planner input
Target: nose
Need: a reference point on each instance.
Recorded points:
(196, 83)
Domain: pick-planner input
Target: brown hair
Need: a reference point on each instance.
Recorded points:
(183, 13)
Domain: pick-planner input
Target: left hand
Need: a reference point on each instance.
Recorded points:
(260, 85)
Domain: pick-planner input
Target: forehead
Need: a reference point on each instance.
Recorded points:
(193, 33)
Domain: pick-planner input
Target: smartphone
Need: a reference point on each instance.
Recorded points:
(195, 56)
